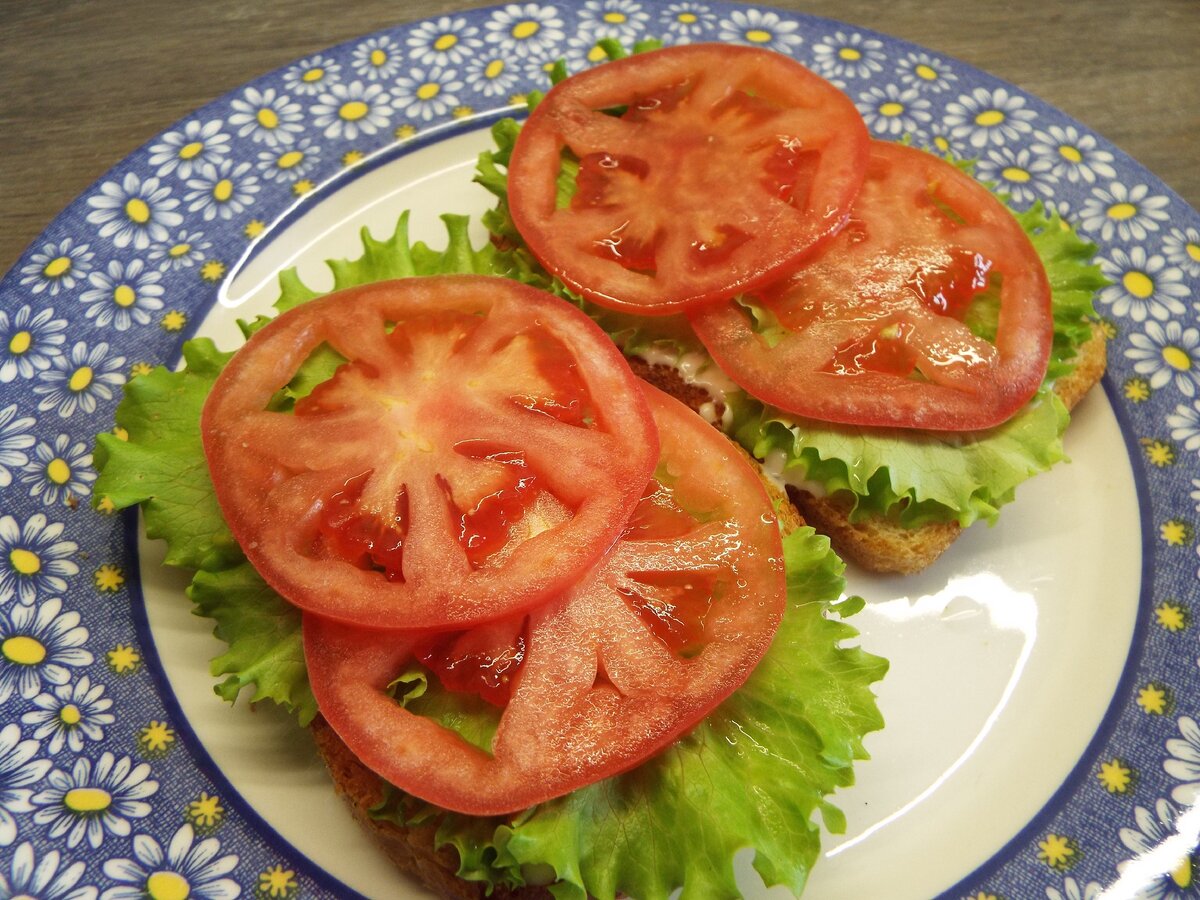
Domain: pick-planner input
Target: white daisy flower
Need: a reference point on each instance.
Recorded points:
(1142, 285)
(123, 295)
(57, 267)
(349, 110)
(194, 869)
(444, 42)
(1074, 155)
(1128, 213)
(29, 341)
(427, 93)
(1154, 830)
(59, 471)
(581, 52)
(925, 73)
(525, 29)
(312, 76)
(39, 645)
(1018, 173)
(377, 59)
(851, 55)
(36, 879)
(134, 212)
(33, 559)
(1167, 354)
(491, 75)
(1185, 428)
(623, 20)
(1182, 248)
(892, 111)
(986, 117)
(80, 379)
(686, 22)
(183, 152)
(182, 250)
(1073, 890)
(937, 140)
(289, 163)
(1196, 493)
(94, 799)
(18, 771)
(70, 714)
(222, 191)
(15, 439)
(760, 28)
(266, 117)
(1183, 763)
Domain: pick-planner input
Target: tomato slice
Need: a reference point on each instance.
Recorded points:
(480, 447)
(666, 626)
(876, 329)
(724, 166)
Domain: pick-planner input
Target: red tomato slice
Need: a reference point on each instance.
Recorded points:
(482, 446)
(666, 626)
(871, 330)
(727, 165)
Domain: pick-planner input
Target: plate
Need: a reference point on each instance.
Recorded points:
(1041, 704)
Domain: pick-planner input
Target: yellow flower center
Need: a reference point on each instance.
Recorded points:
(182, 249)
(20, 342)
(1183, 874)
(687, 18)
(23, 650)
(192, 150)
(124, 295)
(290, 159)
(58, 471)
(1139, 284)
(526, 29)
(1070, 154)
(429, 90)
(926, 72)
(891, 108)
(70, 714)
(1015, 173)
(222, 190)
(614, 18)
(354, 110)
(941, 143)
(758, 36)
(137, 210)
(25, 562)
(849, 53)
(57, 267)
(1177, 358)
(268, 118)
(313, 74)
(378, 57)
(167, 886)
(494, 68)
(87, 800)
(1122, 211)
(989, 117)
(80, 378)
(1193, 250)
(597, 54)
(445, 42)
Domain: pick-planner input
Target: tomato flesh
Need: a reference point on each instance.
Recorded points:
(669, 623)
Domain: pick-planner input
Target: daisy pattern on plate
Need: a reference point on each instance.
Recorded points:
(491, 75)
(1182, 248)
(34, 879)
(925, 73)
(1156, 834)
(1143, 285)
(70, 714)
(445, 41)
(1128, 213)
(1167, 354)
(34, 559)
(1185, 428)
(39, 645)
(1017, 173)
(222, 191)
(1074, 155)
(623, 20)
(291, 162)
(311, 76)
(892, 111)
(1073, 890)
(134, 212)
(186, 868)
(29, 341)
(687, 22)
(266, 117)
(525, 29)
(850, 55)
(123, 294)
(182, 152)
(760, 28)
(427, 93)
(94, 798)
(15, 439)
(182, 250)
(377, 58)
(985, 117)
(59, 471)
(581, 52)
(80, 379)
(349, 110)
(19, 771)
(57, 266)
(1183, 762)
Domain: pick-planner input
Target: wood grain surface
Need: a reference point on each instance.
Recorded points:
(85, 82)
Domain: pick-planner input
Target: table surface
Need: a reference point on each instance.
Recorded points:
(85, 82)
